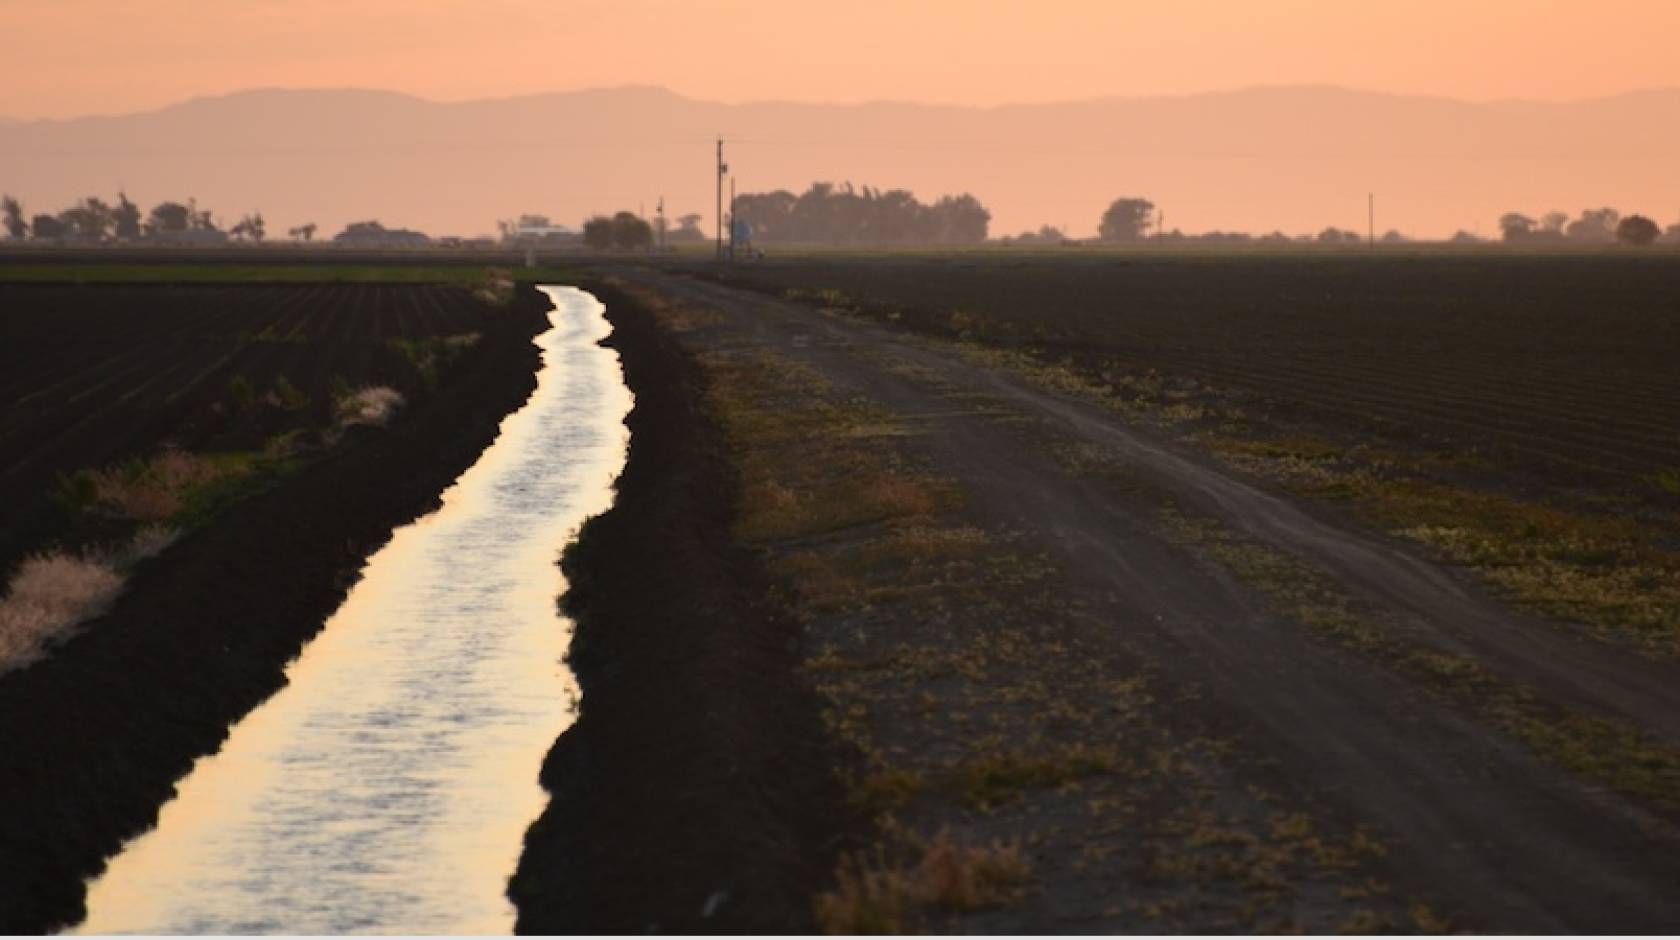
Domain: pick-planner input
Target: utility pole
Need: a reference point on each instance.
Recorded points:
(660, 208)
(722, 168)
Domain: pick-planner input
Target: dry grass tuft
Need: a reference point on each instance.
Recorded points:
(152, 490)
(869, 897)
(961, 877)
(49, 594)
(372, 405)
(497, 288)
(875, 896)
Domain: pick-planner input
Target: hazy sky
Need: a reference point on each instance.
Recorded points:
(72, 57)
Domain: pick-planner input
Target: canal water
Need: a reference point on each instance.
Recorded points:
(388, 786)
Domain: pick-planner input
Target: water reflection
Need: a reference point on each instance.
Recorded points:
(386, 789)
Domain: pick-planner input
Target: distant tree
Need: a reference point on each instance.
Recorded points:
(1126, 220)
(1673, 233)
(959, 220)
(90, 218)
(598, 233)
(1554, 221)
(1461, 237)
(771, 216)
(305, 232)
(1338, 236)
(46, 226)
(631, 232)
(844, 214)
(1515, 227)
(687, 230)
(167, 218)
(531, 220)
(1594, 225)
(355, 230)
(250, 226)
(1637, 230)
(16, 226)
(1393, 237)
(1046, 235)
(371, 233)
(125, 217)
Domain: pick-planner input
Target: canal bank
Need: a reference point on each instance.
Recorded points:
(387, 786)
(694, 793)
(93, 739)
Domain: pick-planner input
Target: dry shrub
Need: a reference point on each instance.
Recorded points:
(148, 542)
(497, 289)
(869, 897)
(372, 405)
(965, 878)
(48, 595)
(873, 896)
(153, 490)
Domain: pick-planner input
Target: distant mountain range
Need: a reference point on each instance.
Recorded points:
(1291, 158)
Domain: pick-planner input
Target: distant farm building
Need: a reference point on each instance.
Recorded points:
(525, 233)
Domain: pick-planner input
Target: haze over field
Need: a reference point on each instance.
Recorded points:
(136, 56)
(1290, 158)
(1227, 114)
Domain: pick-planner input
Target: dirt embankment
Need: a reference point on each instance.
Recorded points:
(93, 738)
(1101, 683)
(692, 794)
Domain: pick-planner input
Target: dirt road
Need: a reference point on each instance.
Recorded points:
(1472, 815)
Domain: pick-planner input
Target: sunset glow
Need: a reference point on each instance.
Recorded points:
(75, 57)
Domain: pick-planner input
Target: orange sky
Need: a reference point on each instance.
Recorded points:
(71, 57)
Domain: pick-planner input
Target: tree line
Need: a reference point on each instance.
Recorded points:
(825, 213)
(843, 215)
(1601, 226)
(94, 220)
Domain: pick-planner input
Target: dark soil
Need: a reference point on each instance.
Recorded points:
(93, 738)
(95, 374)
(1560, 368)
(1490, 828)
(694, 793)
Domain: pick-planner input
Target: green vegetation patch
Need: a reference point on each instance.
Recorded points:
(471, 276)
(1601, 750)
(1609, 572)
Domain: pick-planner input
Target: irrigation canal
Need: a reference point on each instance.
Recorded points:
(387, 787)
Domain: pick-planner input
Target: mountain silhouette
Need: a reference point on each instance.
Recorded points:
(1261, 159)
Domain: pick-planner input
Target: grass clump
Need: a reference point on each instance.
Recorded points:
(1609, 573)
(1609, 752)
(1000, 776)
(286, 396)
(146, 490)
(431, 357)
(809, 466)
(874, 895)
(371, 406)
(495, 287)
(47, 595)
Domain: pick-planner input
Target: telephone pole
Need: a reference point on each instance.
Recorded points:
(722, 169)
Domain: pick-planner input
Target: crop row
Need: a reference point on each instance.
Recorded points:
(1565, 364)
